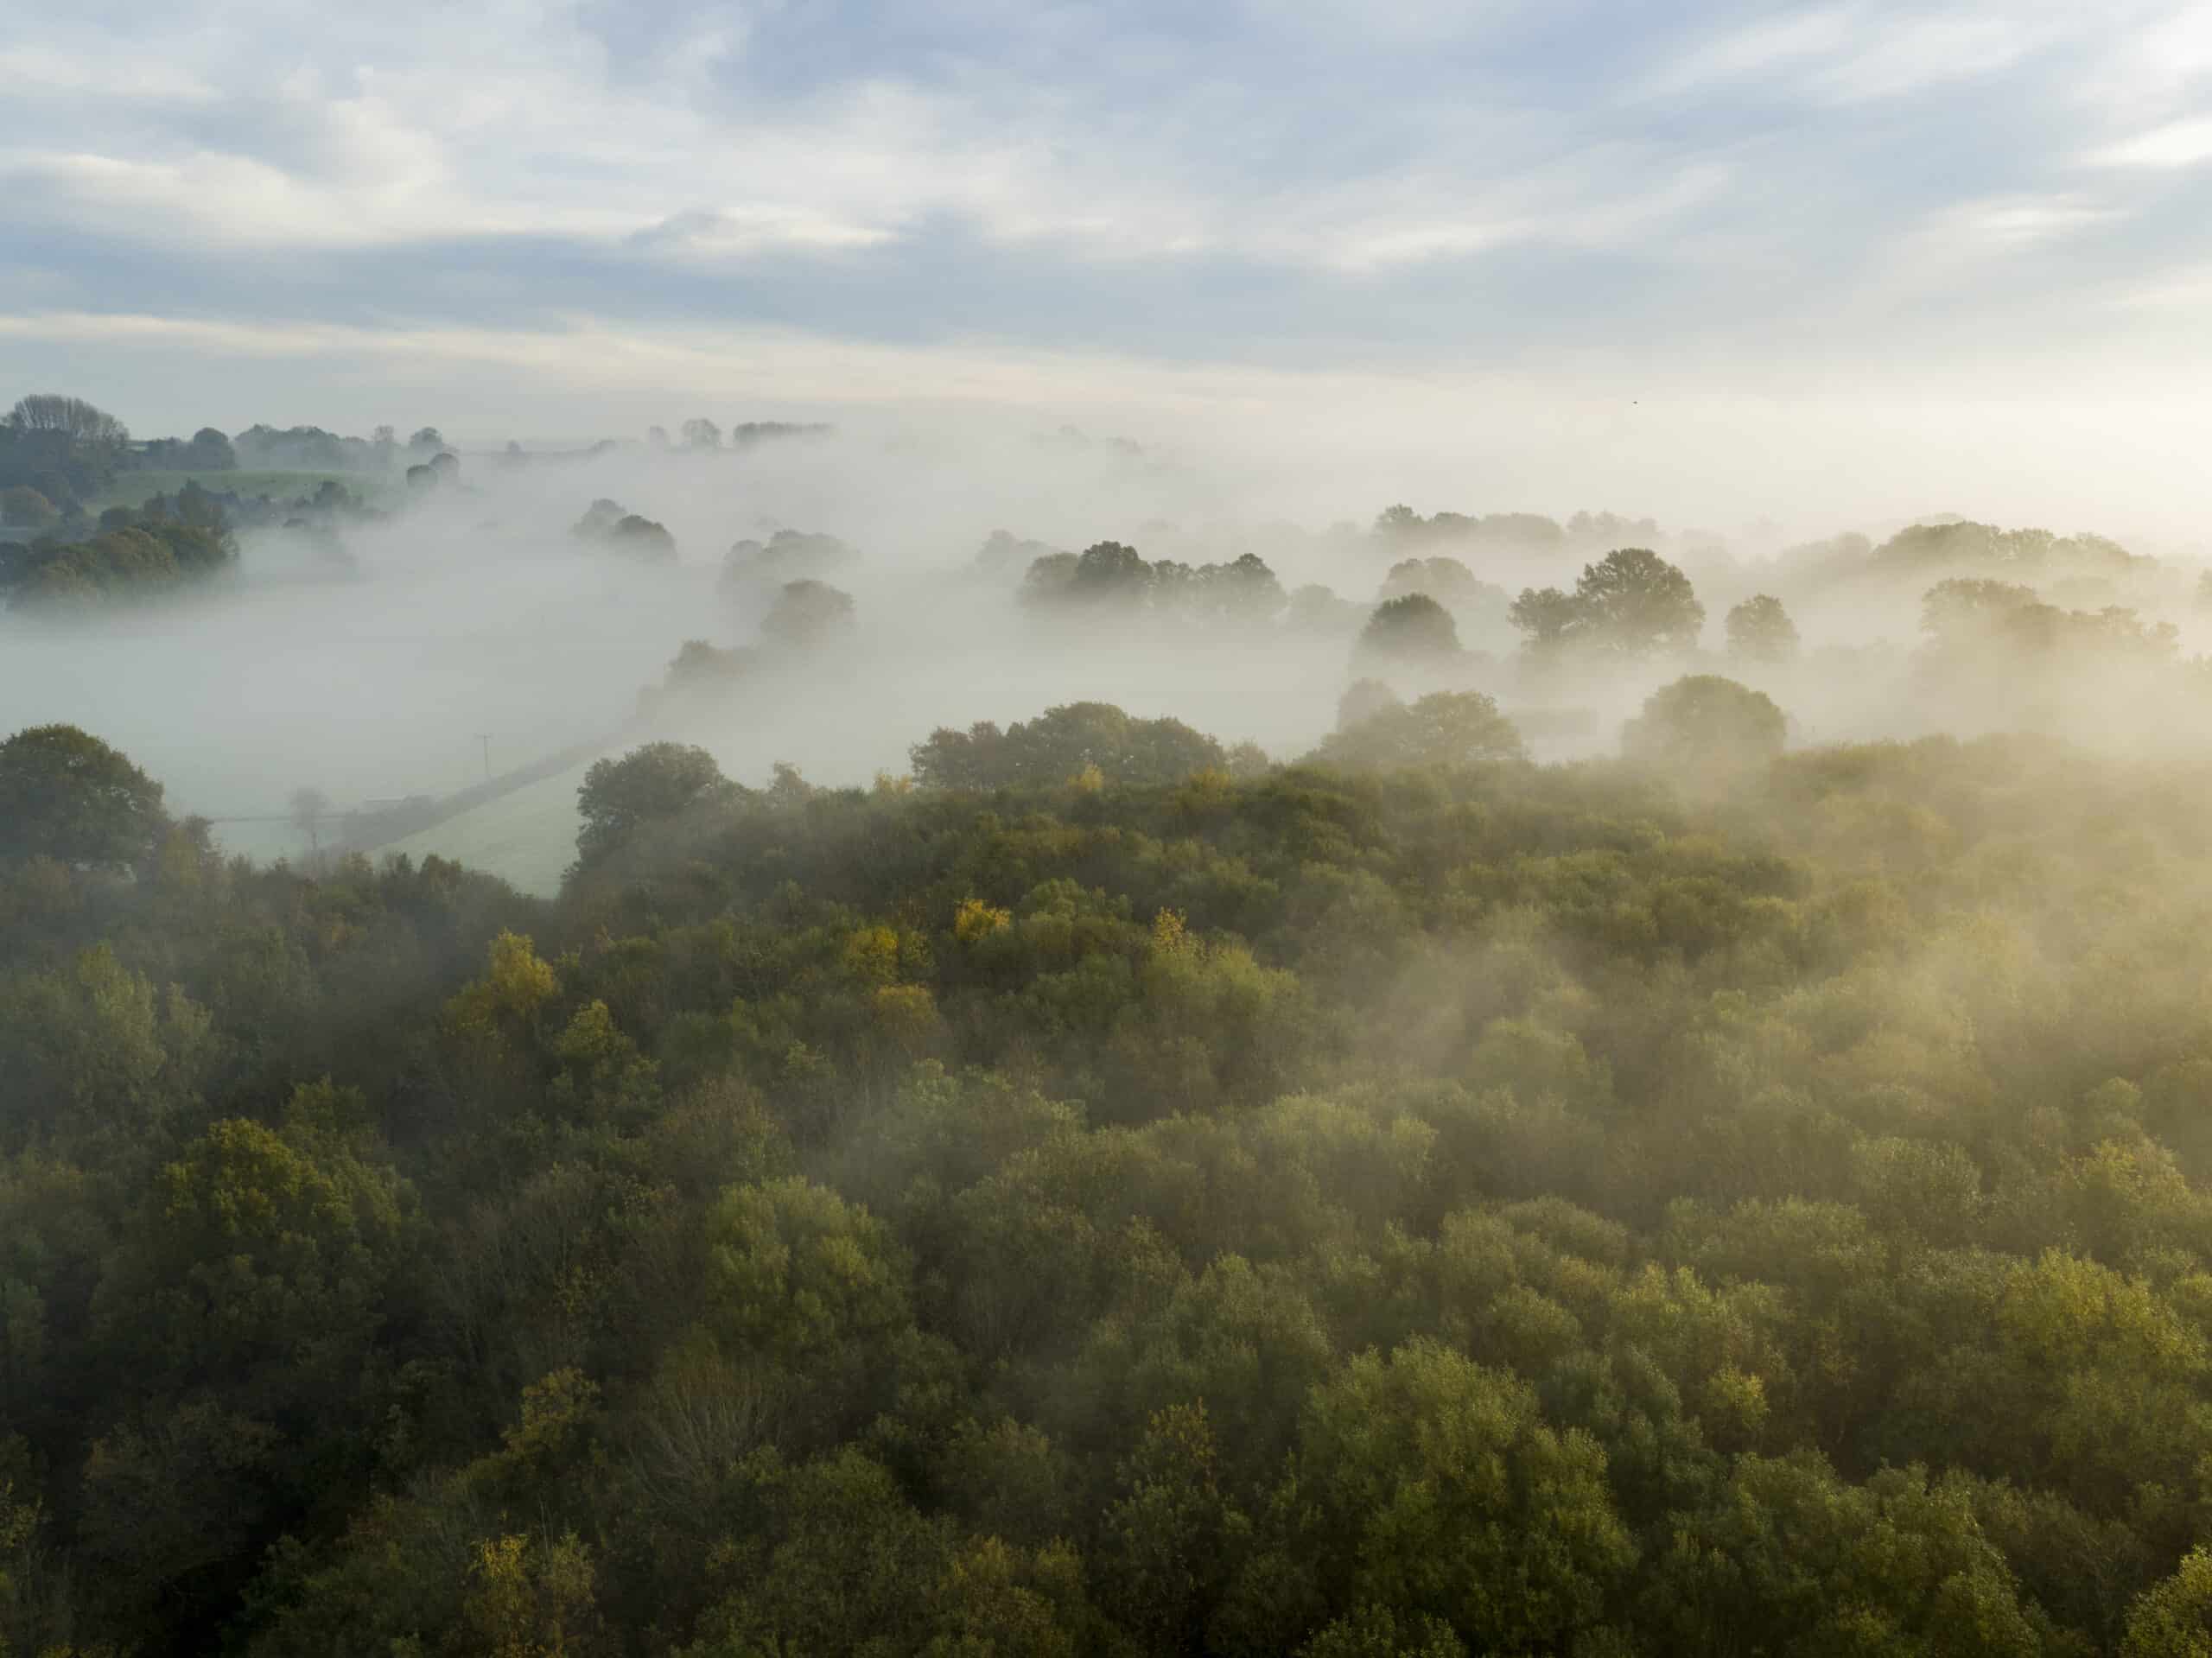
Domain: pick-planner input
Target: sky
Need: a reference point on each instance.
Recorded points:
(1755, 252)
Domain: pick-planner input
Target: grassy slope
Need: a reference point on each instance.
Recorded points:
(526, 838)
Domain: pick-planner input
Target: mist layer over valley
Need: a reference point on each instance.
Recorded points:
(366, 667)
(390, 644)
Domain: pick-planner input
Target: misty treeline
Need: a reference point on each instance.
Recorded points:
(135, 554)
(60, 454)
(1978, 650)
(1106, 1194)
(1945, 624)
(173, 543)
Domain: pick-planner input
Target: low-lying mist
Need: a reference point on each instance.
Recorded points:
(468, 623)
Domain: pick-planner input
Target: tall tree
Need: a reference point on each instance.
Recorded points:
(649, 784)
(49, 440)
(1708, 726)
(1363, 700)
(211, 451)
(84, 425)
(1551, 619)
(1062, 743)
(1414, 628)
(807, 612)
(1634, 602)
(65, 795)
(1111, 571)
(1444, 728)
(1759, 630)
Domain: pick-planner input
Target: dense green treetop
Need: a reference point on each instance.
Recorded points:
(1412, 628)
(1705, 724)
(1443, 728)
(807, 612)
(1760, 630)
(1061, 744)
(1384, 1203)
(649, 784)
(65, 795)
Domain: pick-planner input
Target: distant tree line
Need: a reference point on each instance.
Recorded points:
(1112, 579)
(58, 454)
(134, 554)
(1091, 742)
(1629, 603)
(205, 450)
(702, 436)
(752, 567)
(55, 453)
(1403, 530)
(607, 524)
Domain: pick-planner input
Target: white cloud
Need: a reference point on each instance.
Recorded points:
(1957, 251)
(1594, 196)
(736, 232)
(1892, 56)
(2007, 222)
(2186, 293)
(2150, 56)
(2178, 143)
(30, 71)
(1848, 54)
(455, 134)
(398, 137)
(1760, 50)
(1402, 22)
(1285, 148)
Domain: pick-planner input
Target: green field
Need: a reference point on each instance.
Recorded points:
(526, 838)
(136, 488)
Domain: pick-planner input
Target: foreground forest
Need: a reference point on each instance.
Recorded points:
(1361, 1207)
